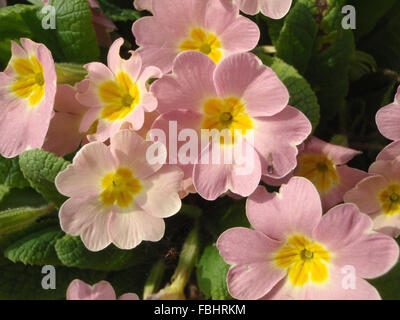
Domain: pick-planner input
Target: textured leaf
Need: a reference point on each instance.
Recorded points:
(296, 39)
(40, 168)
(37, 248)
(74, 31)
(16, 219)
(72, 253)
(17, 198)
(10, 173)
(211, 274)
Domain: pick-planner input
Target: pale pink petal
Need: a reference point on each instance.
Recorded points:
(191, 84)
(275, 9)
(90, 164)
(125, 145)
(129, 229)
(279, 214)
(79, 290)
(276, 139)
(387, 120)
(371, 255)
(143, 5)
(338, 154)
(239, 175)
(365, 194)
(160, 196)
(341, 226)
(129, 296)
(250, 251)
(390, 152)
(243, 75)
(389, 169)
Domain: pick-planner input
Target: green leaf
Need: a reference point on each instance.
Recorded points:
(369, 13)
(296, 39)
(40, 168)
(19, 282)
(302, 96)
(17, 198)
(118, 14)
(211, 274)
(10, 173)
(73, 253)
(74, 31)
(37, 248)
(17, 219)
(384, 42)
(4, 190)
(388, 285)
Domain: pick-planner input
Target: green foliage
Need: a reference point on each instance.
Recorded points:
(36, 248)
(116, 13)
(388, 285)
(16, 219)
(211, 273)
(40, 168)
(10, 173)
(72, 253)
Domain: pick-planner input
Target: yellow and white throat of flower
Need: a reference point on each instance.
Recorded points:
(203, 41)
(119, 187)
(29, 81)
(389, 199)
(319, 169)
(305, 260)
(119, 96)
(227, 115)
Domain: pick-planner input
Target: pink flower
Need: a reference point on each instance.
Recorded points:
(143, 5)
(324, 164)
(79, 290)
(64, 136)
(117, 95)
(388, 118)
(379, 196)
(116, 195)
(296, 253)
(27, 91)
(237, 94)
(275, 9)
(213, 27)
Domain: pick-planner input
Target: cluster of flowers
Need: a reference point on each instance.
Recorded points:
(198, 50)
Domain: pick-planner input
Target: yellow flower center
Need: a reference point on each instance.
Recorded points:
(205, 42)
(229, 113)
(390, 199)
(120, 97)
(119, 187)
(30, 82)
(319, 169)
(304, 259)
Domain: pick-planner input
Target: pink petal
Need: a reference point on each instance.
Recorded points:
(83, 177)
(279, 214)
(275, 9)
(191, 84)
(389, 169)
(276, 139)
(338, 154)
(129, 296)
(341, 226)
(129, 229)
(250, 251)
(79, 290)
(243, 75)
(365, 194)
(387, 120)
(160, 196)
(390, 152)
